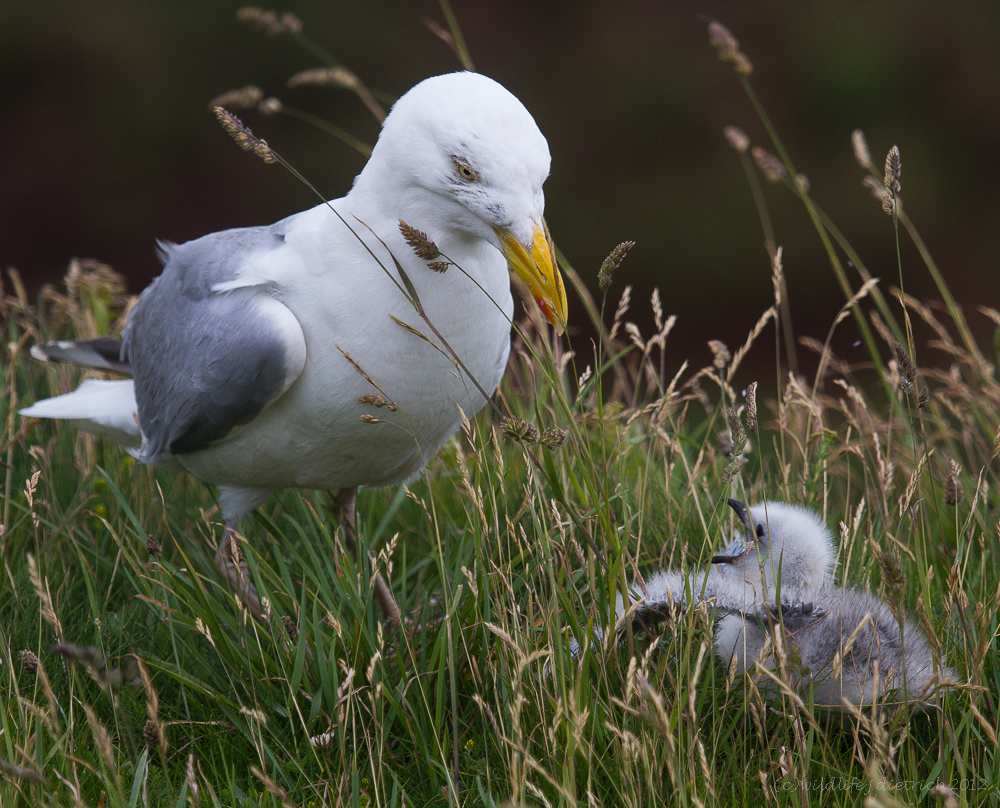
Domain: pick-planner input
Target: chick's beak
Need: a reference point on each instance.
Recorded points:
(535, 265)
(743, 514)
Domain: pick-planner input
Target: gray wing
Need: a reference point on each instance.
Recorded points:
(205, 361)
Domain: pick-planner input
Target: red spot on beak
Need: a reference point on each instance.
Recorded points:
(545, 309)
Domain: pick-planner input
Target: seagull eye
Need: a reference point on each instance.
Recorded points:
(465, 172)
(760, 531)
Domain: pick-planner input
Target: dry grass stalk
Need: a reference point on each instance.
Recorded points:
(102, 740)
(243, 98)
(360, 371)
(736, 138)
(744, 349)
(635, 336)
(243, 136)
(19, 772)
(861, 152)
(611, 264)
(272, 788)
(620, 312)
(342, 78)
(269, 22)
(728, 48)
(769, 164)
(41, 587)
(194, 788)
(893, 171)
(152, 705)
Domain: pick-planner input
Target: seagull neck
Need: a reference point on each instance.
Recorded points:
(377, 192)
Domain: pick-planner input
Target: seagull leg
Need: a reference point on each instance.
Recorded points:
(230, 562)
(346, 499)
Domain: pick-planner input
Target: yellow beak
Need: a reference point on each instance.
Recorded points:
(537, 268)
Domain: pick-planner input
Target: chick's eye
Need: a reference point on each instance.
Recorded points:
(760, 531)
(465, 172)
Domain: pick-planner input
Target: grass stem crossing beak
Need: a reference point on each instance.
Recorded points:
(535, 265)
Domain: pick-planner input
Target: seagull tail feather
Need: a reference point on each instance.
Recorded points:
(99, 406)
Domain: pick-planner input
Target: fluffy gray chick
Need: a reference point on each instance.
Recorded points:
(775, 582)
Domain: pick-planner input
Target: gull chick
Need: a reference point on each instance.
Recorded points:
(774, 584)
(289, 356)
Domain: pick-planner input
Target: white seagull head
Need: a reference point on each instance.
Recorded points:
(468, 144)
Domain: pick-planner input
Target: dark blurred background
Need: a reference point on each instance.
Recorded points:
(108, 143)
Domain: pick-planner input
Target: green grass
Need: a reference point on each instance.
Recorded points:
(497, 555)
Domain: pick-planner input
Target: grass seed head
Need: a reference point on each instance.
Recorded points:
(736, 138)
(268, 21)
(726, 442)
(728, 48)
(553, 437)
(733, 442)
(88, 656)
(272, 787)
(657, 309)
(372, 400)
(423, 247)
(244, 98)
(151, 733)
(722, 39)
(29, 662)
(611, 263)
(270, 106)
(326, 77)
(945, 795)
(290, 23)
(152, 545)
(192, 782)
(953, 492)
(102, 738)
(519, 429)
(243, 136)
(19, 772)
(893, 578)
(623, 304)
(861, 152)
(907, 371)
(739, 435)
(720, 353)
(893, 171)
(877, 189)
(752, 407)
(635, 335)
(889, 193)
(770, 166)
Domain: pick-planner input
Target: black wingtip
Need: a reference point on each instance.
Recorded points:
(102, 353)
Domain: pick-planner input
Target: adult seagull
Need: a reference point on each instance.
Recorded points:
(292, 355)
